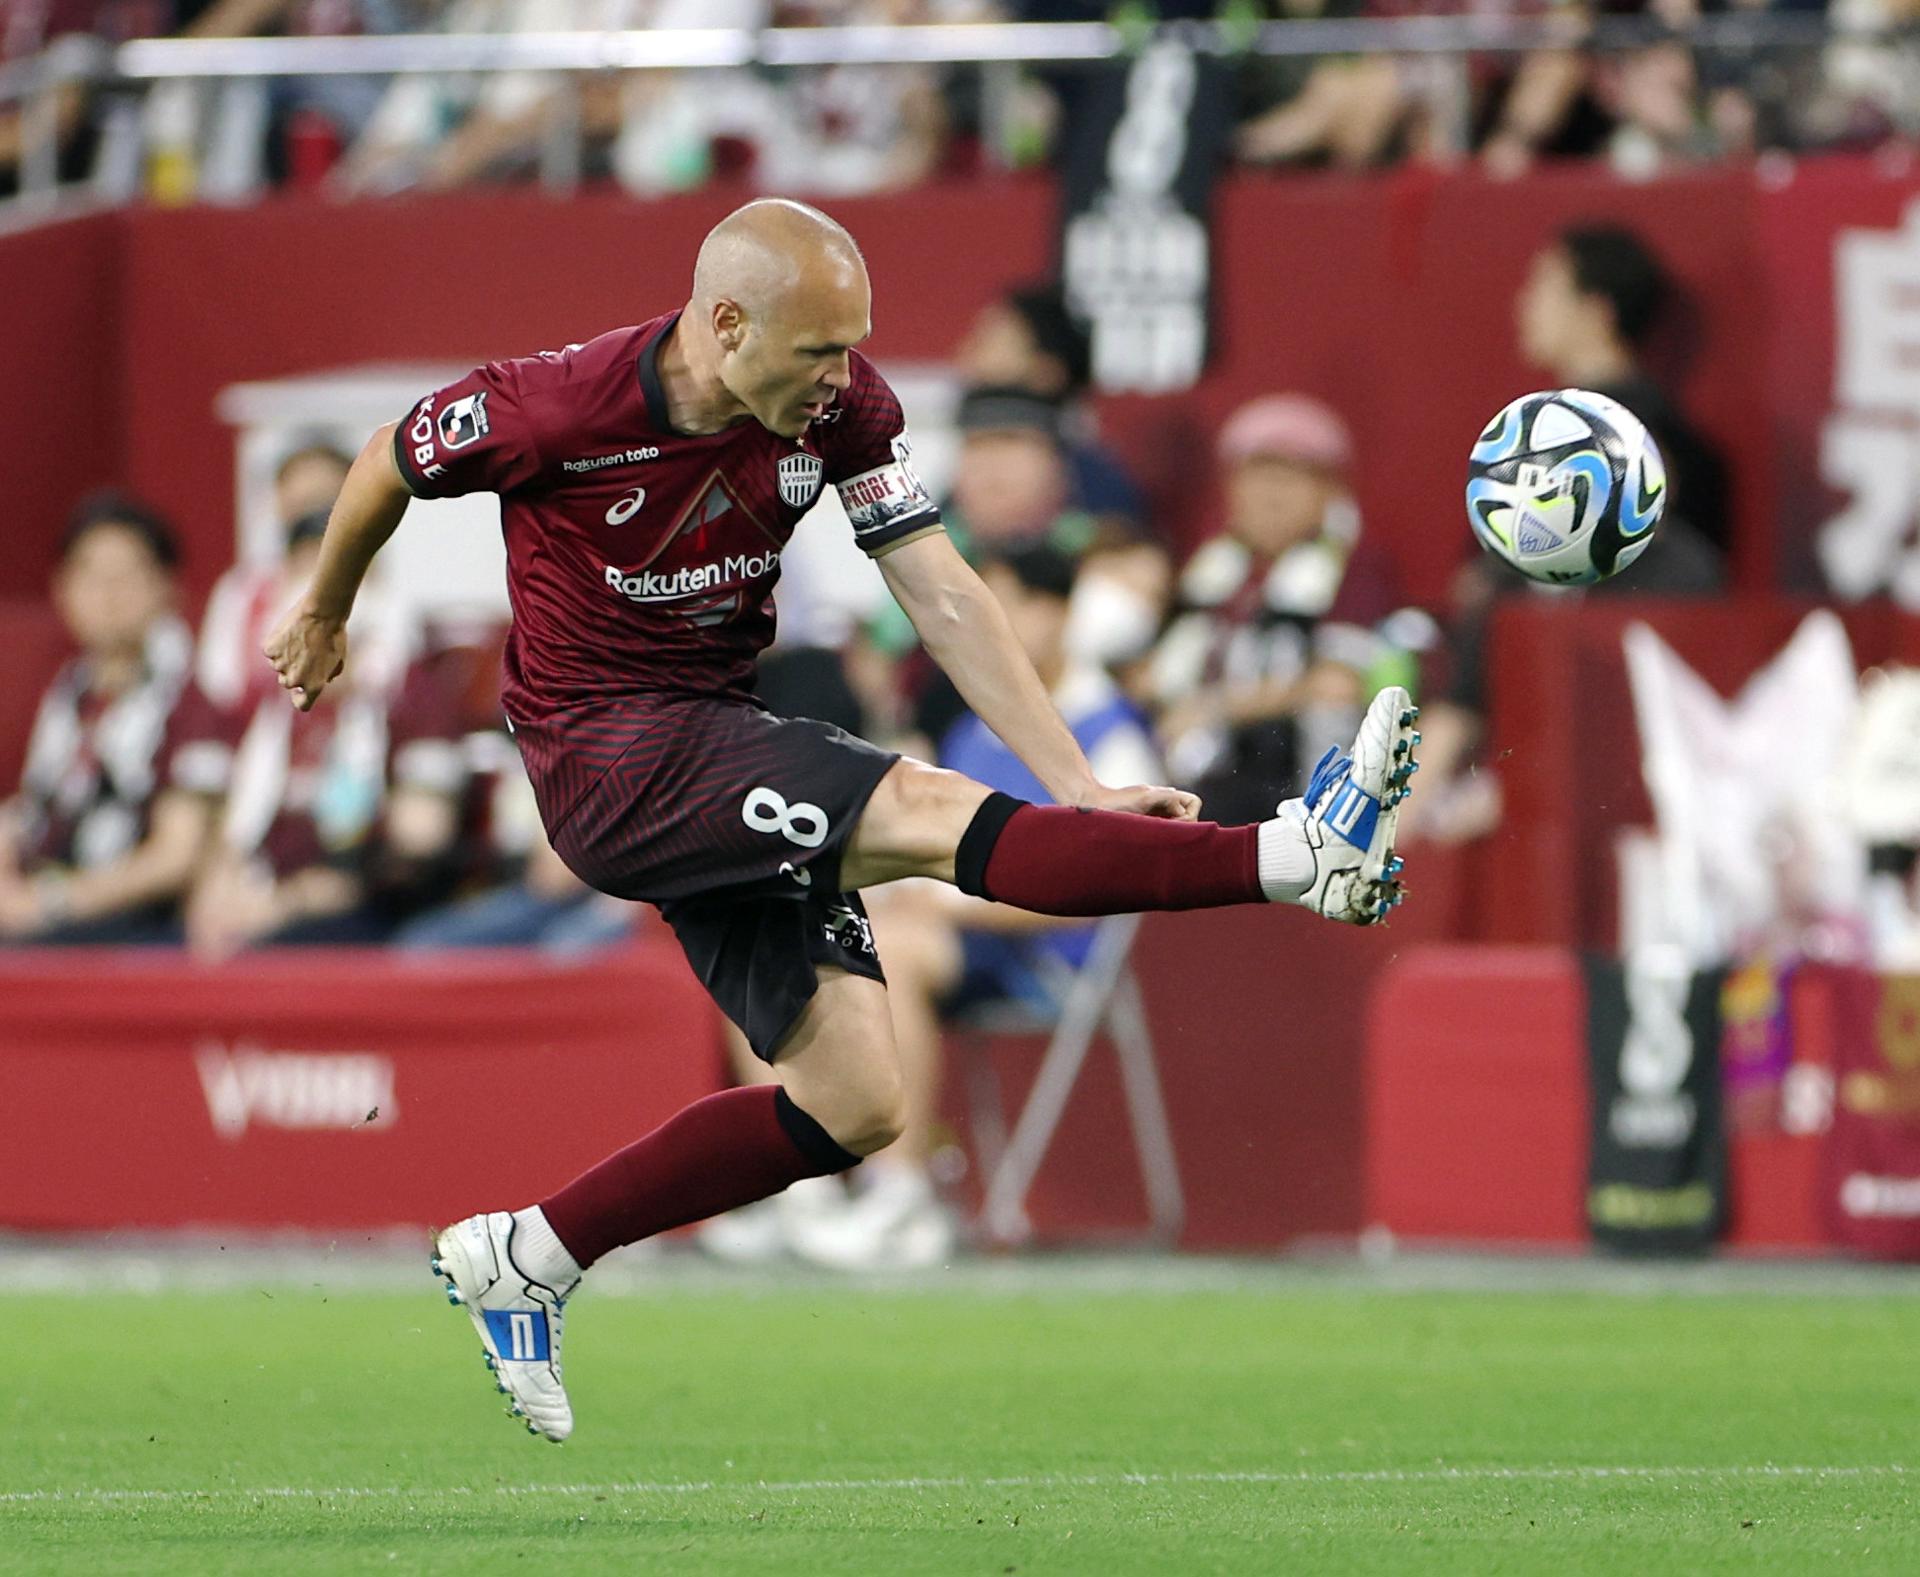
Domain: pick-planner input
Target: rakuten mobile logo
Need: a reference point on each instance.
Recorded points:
(690, 580)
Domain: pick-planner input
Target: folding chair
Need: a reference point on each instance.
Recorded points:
(1101, 994)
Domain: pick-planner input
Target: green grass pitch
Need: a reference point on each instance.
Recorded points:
(821, 1429)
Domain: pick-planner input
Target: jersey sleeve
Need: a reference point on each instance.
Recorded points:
(868, 457)
(475, 435)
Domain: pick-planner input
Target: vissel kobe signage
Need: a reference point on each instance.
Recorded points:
(246, 1087)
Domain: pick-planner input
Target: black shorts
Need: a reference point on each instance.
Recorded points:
(733, 821)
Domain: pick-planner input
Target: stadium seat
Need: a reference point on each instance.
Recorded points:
(1101, 995)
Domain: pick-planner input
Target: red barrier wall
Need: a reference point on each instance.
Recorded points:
(1390, 295)
(141, 1090)
(330, 1090)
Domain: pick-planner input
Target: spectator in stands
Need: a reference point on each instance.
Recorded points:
(1243, 700)
(1591, 300)
(448, 130)
(245, 601)
(341, 822)
(846, 129)
(1013, 483)
(1028, 339)
(127, 761)
(27, 28)
(1871, 88)
(1012, 488)
(1346, 110)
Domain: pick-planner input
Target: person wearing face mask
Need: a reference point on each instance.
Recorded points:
(1243, 696)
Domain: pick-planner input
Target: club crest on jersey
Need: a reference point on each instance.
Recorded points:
(800, 476)
(464, 421)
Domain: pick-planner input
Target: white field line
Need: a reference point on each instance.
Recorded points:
(850, 1486)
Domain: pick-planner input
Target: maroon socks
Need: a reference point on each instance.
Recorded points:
(1051, 859)
(719, 1153)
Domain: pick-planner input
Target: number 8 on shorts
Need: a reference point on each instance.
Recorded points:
(766, 810)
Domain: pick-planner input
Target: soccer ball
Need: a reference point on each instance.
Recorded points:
(1566, 486)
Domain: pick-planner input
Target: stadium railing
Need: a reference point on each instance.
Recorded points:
(37, 84)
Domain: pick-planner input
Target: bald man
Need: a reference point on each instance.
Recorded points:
(648, 481)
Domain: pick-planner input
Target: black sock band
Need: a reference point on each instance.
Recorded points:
(976, 843)
(814, 1142)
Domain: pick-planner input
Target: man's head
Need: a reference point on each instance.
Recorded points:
(1035, 586)
(117, 559)
(1591, 298)
(308, 478)
(1284, 462)
(780, 298)
(1012, 480)
(1028, 339)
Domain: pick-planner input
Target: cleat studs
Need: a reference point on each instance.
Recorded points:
(454, 1297)
(435, 1263)
(1417, 736)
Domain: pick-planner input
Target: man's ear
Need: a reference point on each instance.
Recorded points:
(729, 325)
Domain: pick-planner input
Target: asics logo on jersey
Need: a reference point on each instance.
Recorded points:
(627, 507)
(690, 580)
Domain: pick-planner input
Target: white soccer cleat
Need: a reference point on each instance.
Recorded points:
(518, 1319)
(1351, 813)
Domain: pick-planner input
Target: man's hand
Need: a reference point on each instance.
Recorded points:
(308, 652)
(1172, 804)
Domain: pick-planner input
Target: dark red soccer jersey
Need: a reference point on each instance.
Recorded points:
(640, 559)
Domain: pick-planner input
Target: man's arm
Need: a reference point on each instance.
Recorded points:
(159, 867)
(966, 632)
(309, 649)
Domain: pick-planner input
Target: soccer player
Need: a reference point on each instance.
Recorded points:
(648, 480)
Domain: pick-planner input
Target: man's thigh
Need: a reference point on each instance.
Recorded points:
(716, 798)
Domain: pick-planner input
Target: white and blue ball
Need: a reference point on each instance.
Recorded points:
(1566, 486)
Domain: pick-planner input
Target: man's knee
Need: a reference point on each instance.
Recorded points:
(863, 1109)
(876, 1113)
(840, 1066)
(912, 824)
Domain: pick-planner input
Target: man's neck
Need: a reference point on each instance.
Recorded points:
(697, 401)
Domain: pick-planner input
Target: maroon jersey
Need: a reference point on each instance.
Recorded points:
(641, 559)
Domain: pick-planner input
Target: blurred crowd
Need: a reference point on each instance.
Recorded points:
(171, 795)
(850, 128)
